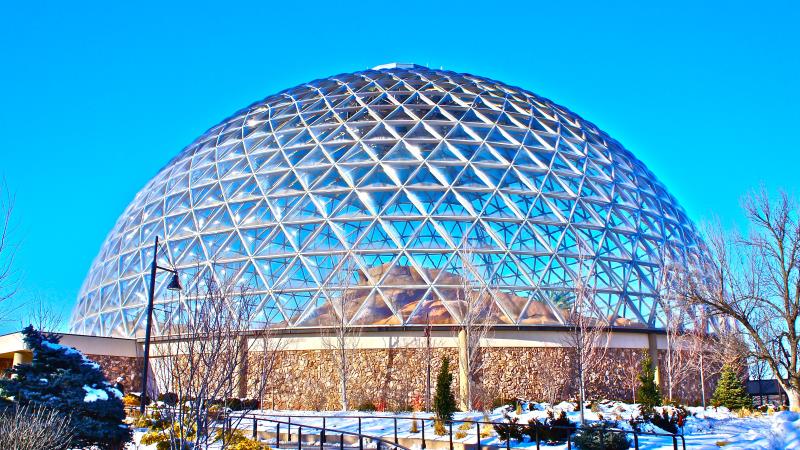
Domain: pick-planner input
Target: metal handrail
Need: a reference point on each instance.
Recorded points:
(324, 429)
(636, 434)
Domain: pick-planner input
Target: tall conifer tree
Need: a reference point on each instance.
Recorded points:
(444, 402)
(648, 395)
(61, 378)
(731, 392)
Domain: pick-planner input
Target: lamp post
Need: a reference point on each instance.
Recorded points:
(174, 285)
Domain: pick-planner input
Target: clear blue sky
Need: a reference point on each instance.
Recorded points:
(96, 97)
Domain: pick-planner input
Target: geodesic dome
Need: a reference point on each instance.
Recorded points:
(396, 185)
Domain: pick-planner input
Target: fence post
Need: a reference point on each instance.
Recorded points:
(635, 440)
(451, 435)
(322, 433)
(478, 429)
(255, 428)
(341, 441)
(277, 435)
(602, 444)
(289, 430)
(395, 431)
(299, 438)
(423, 435)
(360, 436)
(537, 434)
(674, 442)
(569, 441)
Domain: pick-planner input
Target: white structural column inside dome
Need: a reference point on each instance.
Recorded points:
(387, 184)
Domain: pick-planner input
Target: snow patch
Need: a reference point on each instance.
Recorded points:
(93, 395)
(70, 351)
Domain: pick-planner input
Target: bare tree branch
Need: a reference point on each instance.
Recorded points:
(211, 351)
(752, 285)
(8, 249)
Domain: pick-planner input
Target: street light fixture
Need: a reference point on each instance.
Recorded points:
(174, 285)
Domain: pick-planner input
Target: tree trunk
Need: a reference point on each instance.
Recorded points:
(343, 381)
(793, 395)
(463, 370)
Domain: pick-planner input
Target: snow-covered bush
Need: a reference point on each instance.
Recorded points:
(597, 436)
(62, 379)
(557, 429)
(510, 429)
(669, 419)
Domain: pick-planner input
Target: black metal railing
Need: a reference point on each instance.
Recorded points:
(678, 440)
(226, 419)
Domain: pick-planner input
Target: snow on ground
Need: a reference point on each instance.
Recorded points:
(705, 429)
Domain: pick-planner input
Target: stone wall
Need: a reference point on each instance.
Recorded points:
(117, 366)
(394, 378)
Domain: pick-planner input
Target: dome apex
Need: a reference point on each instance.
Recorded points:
(398, 65)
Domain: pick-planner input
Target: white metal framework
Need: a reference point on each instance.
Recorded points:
(384, 182)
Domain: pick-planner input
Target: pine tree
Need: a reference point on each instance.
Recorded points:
(731, 392)
(444, 402)
(648, 395)
(63, 379)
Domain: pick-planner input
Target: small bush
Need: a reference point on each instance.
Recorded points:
(367, 405)
(170, 398)
(558, 429)
(414, 426)
(461, 434)
(215, 412)
(175, 444)
(518, 409)
(34, 427)
(438, 428)
(250, 404)
(249, 444)
(403, 408)
(501, 401)
(465, 426)
(229, 436)
(153, 437)
(234, 404)
(143, 422)
(597, 437)
(669, 422)
(511, 429)
(130, 400)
